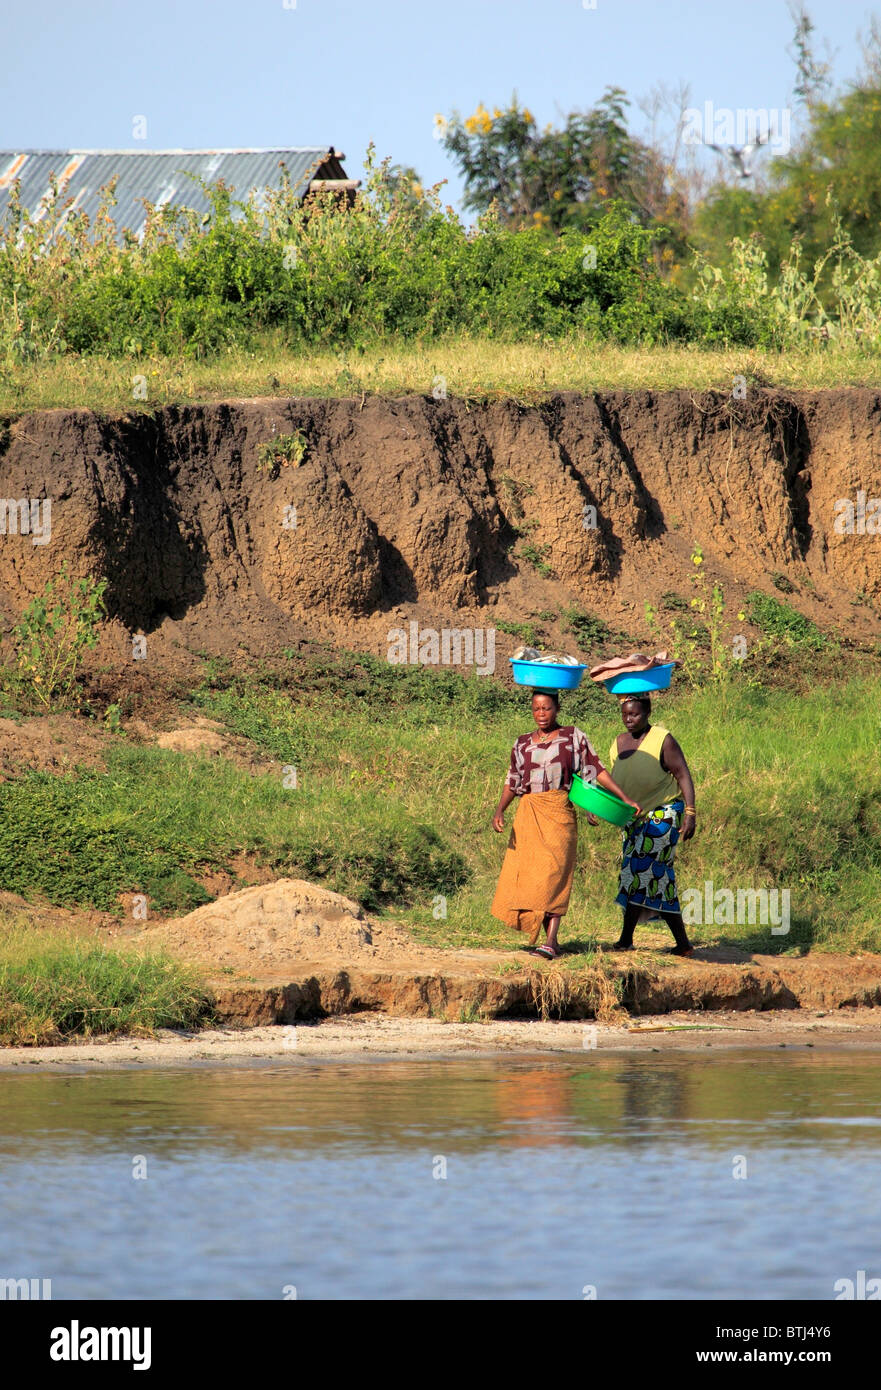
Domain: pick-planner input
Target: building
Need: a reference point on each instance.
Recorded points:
(163, 176)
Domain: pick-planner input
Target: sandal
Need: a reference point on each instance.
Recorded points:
(546, 952)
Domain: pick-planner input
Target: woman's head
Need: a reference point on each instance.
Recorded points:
(545, 707)
(635, 711)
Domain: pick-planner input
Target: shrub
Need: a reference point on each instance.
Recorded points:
(54, 632)
(589, 631)
(779, 619)
(322, 275)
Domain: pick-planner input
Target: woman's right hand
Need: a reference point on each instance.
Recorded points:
(499, 821)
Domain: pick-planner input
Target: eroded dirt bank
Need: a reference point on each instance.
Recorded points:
(291, 950)
(422, 508)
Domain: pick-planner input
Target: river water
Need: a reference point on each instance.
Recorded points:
(734, 1175)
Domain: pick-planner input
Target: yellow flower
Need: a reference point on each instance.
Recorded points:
(480, 121)
(740, 617)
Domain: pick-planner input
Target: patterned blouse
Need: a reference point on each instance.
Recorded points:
(550, 767)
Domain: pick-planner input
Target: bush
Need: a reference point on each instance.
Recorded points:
(53, 634)
(590, 632)
(779, 619)
(323, 275)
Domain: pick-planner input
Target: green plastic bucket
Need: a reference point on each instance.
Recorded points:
(603, 804)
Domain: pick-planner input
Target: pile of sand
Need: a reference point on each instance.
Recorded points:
(276, 925)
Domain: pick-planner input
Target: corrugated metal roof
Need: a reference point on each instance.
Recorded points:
(160, 176)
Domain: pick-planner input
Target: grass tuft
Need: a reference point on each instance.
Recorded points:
(54, 986)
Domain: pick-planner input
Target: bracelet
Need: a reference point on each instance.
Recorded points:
(690, 811)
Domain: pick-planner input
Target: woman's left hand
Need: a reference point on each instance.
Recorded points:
(591, 818)
(689, 825)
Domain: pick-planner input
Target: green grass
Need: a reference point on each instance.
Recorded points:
(399, 771)
(776, 618)
(474, 369)
(789, 791)
(156, 819)
(591, 633)
(527, 633)
(55, 985)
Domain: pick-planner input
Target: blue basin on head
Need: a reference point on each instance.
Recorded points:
(640, 682)
(547, 675)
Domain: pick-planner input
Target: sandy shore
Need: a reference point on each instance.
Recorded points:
(355, 1037)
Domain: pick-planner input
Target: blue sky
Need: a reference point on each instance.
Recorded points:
(258, 73)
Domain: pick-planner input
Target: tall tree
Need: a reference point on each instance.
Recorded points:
(556, 178)
(833, 169)
(813, 76)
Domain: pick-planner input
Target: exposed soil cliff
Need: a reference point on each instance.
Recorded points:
(421, 508)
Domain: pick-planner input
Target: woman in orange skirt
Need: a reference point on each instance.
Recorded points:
(536, 878)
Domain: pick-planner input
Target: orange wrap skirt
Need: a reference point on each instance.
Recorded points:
(539, 863)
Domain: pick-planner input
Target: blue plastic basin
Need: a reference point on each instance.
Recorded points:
(549, 676)
(640, 682)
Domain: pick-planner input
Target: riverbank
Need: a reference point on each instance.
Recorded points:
(377, 1037)
(292, 953)
(274, 820)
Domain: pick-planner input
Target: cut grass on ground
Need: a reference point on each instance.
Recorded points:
(473, 369)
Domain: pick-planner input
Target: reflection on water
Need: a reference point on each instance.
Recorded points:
(615, 1172)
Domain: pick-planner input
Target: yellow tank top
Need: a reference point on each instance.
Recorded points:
(641, 775)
